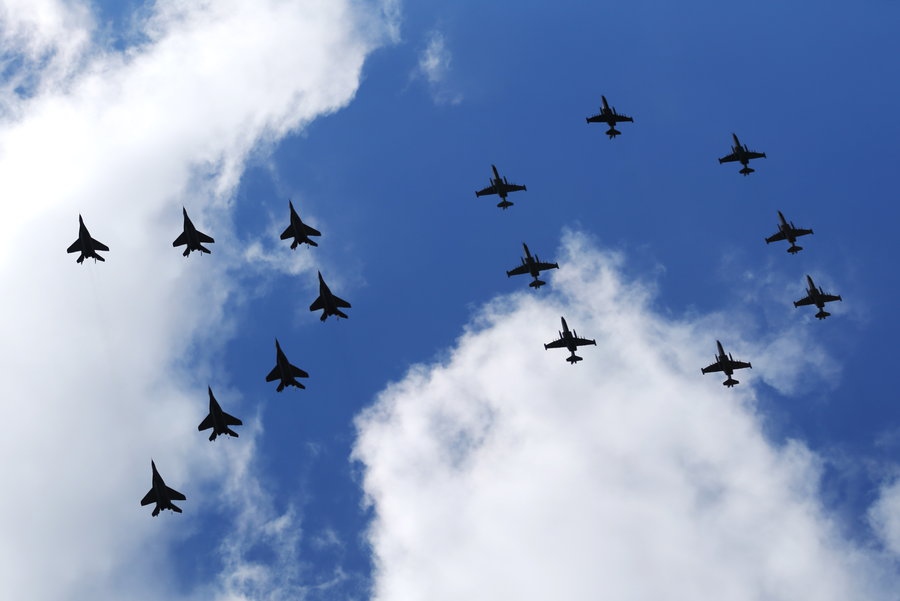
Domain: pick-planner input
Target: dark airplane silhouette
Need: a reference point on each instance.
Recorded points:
(329, 303)
(725, 363)
(610, 117)
(787, 231)
(161, 494)
(299, 231)
(502, 187)
(284, 371)
(218, 420)
(815, 296)
(569, 340)
(533, 266)
(193, 238)
(86, 245)
(742, 154)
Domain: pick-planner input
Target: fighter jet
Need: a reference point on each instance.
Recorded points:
(725, 363)
(815, 296)
(193, 238)
(86, 245)
(742, 154)
(161, 494)
(329, 303)
(284, 371)
(787, 231)
(610, 117)
(299, 231)
(502, 187)
(218, 420)
(569, 340)
(533, 266)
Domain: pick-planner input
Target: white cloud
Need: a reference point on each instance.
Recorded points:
(434, 66)
(505, 473)
(106, 365)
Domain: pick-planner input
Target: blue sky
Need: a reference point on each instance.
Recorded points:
(431, 449)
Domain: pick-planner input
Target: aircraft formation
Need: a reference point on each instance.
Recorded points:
(284, 371)
(286, 374)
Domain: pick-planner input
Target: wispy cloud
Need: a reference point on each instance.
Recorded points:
(434, 65)
(504, 472)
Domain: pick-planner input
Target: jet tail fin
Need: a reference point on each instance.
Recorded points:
(822, 314)
(537, 283)
(504, 204)
(573, 359)
(730, 382)
(794, 249)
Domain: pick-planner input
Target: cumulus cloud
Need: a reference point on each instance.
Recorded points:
(107, 364)
(505, 473)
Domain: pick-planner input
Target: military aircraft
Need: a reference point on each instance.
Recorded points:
(329, 303)
(610, 117)
(502, 187)
(218, 420)
(787, 231)
(533, 266)
(815, 296)
(725, 363)
(742, 154)
(86, 245)
(161, 494)
(299, 231)
(193, 238)
(284, 371)
(569, 340)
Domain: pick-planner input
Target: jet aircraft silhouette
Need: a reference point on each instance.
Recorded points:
(218, 420)
(815, 296)
(569, 340)
(787, 231)
(284, 371)
(742, 154)
(191, 237)
(533, 266)
(725, 363)
(86, 245)
(328, 302)
(299, 231)
(610, 117)
(502, 187)
(161, 494)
